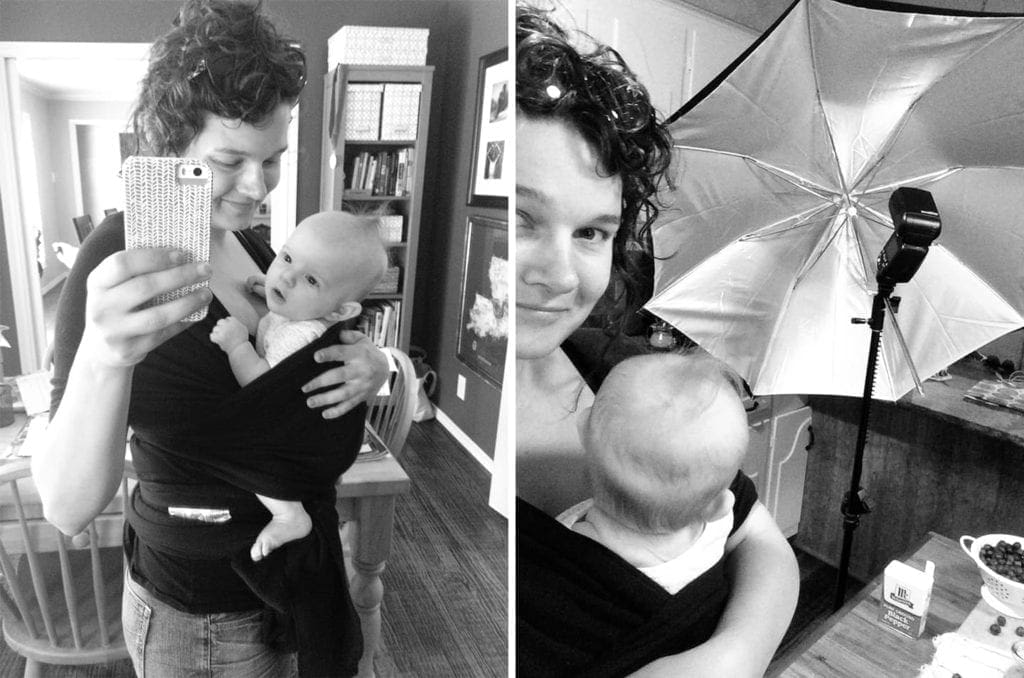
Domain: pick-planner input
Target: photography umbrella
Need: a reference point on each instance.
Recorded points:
(783, 167)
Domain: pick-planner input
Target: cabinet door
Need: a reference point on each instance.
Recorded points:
(755, 464)
(791, 438)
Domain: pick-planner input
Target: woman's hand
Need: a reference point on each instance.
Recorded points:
(119, 330)
(364, 371)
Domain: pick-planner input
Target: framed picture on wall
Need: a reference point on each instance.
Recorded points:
(484, 312)
(492, 138)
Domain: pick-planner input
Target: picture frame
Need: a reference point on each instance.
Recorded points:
(489, 180)
(484, 309)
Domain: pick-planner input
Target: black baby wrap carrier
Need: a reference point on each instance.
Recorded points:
(261, 438)
(581, 610)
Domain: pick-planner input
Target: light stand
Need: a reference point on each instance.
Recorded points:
(915, 225)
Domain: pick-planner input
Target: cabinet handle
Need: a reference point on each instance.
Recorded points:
(810, 437)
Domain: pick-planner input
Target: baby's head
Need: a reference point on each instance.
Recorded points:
(329, 263)
(663, 440)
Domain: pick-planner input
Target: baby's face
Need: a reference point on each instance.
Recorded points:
(306, 280)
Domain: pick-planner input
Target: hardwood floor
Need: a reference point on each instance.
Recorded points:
(445, 602)
(814, 606)
(445, 589)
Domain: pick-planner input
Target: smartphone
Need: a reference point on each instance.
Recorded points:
(167, 204)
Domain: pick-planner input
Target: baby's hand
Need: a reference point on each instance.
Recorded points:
(256, 284)
(228, 333)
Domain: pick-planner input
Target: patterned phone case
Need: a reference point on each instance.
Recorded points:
(167, 204)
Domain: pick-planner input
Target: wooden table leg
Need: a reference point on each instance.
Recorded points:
(371, 548)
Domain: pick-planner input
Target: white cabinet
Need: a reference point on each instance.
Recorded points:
(780, 437)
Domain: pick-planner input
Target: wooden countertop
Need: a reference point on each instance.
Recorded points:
(852, 642)
(945, 400)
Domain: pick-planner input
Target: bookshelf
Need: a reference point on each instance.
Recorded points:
(361, 171)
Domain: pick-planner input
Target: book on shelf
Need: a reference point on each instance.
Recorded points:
(382, 173)
(380, 321)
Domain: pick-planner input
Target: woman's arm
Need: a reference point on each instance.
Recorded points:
(764, 582)
(362, 375)
(80, 465)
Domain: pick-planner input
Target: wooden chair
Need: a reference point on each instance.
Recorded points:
(391, 416)
(61, 597)
(83, 226)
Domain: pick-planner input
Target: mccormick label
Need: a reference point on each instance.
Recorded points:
(906, 593)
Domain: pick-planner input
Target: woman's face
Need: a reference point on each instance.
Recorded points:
(246, 164)
(567, 215)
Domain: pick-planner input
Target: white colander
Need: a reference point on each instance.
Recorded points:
(1007, 592)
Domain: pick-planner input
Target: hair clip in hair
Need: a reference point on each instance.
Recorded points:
(197, 71)
(553, 91)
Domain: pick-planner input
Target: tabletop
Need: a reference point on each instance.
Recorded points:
(10, 432)
(853, 643)
(379, 474)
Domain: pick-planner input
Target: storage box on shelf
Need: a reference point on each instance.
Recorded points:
(379, 45)
(399, 113)
(362, 112)
(376, 166)
(391, 228)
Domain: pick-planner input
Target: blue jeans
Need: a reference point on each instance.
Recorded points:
(167, 643)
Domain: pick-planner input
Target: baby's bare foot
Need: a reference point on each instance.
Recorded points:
(280, 530)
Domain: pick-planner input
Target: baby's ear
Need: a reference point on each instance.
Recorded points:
(350, 309)
(720, 506)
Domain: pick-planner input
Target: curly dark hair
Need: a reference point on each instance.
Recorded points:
(592, 90)
(223, 57)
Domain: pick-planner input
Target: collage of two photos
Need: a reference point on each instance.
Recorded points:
(270, 405)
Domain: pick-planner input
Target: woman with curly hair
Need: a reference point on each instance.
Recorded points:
(220, 86)
(591, 158)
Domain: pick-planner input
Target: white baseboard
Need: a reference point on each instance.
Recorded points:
(53, 283)
(467, 443)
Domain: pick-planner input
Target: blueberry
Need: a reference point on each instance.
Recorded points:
(1019, 631)
(1001, 620)
(995, 629)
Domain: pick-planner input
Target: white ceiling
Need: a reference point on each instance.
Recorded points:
(84, 77)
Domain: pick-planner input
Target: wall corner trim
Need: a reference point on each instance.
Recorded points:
(465, 441)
